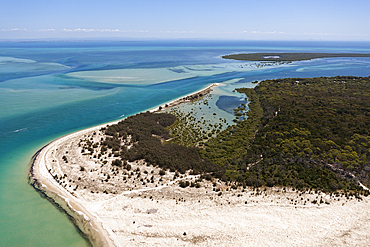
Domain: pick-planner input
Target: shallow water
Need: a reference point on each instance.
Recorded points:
(46, 91)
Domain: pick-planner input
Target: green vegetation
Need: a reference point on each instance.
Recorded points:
(65, 159)
(305, 133)
(232, 143)
(145, 137)
(288, 57)
(193, 128)
(313, 133)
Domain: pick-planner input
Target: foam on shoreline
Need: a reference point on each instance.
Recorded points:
(88, 224)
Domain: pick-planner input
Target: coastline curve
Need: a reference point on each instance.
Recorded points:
(87, 224)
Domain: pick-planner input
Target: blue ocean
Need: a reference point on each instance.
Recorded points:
(51, 88)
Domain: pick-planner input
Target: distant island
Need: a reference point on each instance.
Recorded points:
(288, 57)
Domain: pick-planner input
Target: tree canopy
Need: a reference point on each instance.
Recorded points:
(313, 133)
(145, 137)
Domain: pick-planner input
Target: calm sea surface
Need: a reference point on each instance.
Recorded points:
(49, 89)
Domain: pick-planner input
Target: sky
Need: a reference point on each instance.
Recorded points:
(191, 19)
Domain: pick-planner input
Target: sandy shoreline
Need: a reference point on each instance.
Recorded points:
(161, 213)
(44, 183)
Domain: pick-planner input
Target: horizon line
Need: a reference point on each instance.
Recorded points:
(131, 39)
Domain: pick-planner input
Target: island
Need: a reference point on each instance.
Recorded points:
(292, 170)
(288, 57)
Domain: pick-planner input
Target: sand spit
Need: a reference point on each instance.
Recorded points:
(187, 98)
(140, 206)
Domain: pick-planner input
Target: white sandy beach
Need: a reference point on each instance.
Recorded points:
(137, 213)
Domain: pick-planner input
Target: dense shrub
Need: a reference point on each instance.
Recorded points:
(148, 137)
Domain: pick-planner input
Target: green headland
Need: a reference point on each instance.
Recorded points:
(289, 57)
(305, 133)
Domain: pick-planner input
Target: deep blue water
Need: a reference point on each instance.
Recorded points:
(40, 101)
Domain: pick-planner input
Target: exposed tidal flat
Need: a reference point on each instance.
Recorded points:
(36, 117)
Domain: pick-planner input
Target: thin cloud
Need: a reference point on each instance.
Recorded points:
(89, 30)
(200, 33)
(14, 30)
(86, 30)
(335, 34)
(264, 32)
(102, 30)
(177, 32)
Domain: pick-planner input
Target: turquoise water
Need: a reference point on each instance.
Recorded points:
(49, 89)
